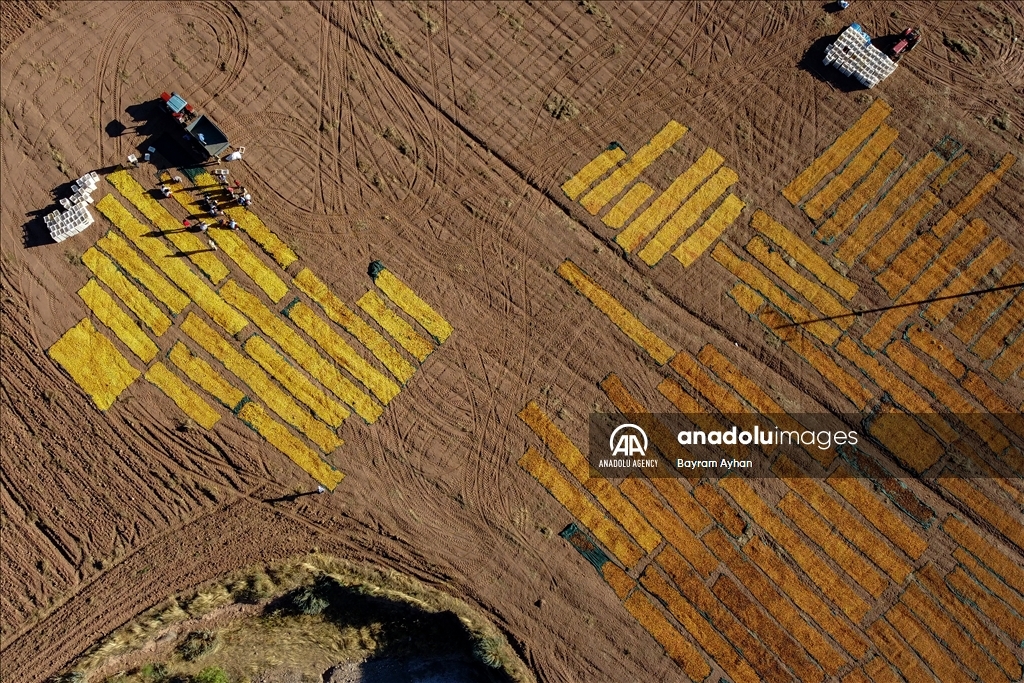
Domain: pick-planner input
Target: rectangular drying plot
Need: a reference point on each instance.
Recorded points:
(785, 577)
(669, 200)
(395, 325)
(929, 280)
(804, 255)
(254, 227)
(751, 615)
(264, 387)
(837, 152)
(969, 325)
(893, 238)
(875, 511)
(974, 196)
(871, 545)
(948, 172)
(876, 219)
(595, 168)
(687, 215)
(627, 206)
(596, 199)
(817, 359)
(178, 272)
(129, 260)
(993, 339)
(94, 363)
(748, 273)
(960, 644)
(341, 314)
(580, 507)
(419, 310)
(283, 440)
(963, 614)
(819, 531)
(297, 349)
(169, 226)
(818, 296)
(120, 323)
(191, 403)
(1008, 569)
(926, 342)
(139, 303)
(946, 395)
(746, 298)
(251, 265)
(710, 608)
(1010, 360)
(676, 647)
(344, 355)
(671, 528)
(654, 345)
(775, 603)
(696, 244)
(698, 625)
(898, 391)
(820, 573)
(991, 256)
(203, 374)
(324, 407)
(978, 503)
(906, 267)
(606, 494)
(854, 171)
(847, 212)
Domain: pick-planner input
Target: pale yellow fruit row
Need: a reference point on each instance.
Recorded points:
(94, 363)
(594, 169)
(687, 215)
(395, 325)
(419, 310)
(283, 440)
(109, 313)
(343, 354)
(203, 374)
(139, 303)
(168, 226)
(840, 221)
(696, 244)
(855, 170)
(596, 199)
(804, 255)
(257, 380)
(130, 262)
(830, 159)
(876, 219)
(297, 349)
(191, 403)
(668, 201)
(178, 272)
(341, 314)
(654, 345)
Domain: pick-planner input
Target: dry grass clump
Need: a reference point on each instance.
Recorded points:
(561, 107)
(961, 45)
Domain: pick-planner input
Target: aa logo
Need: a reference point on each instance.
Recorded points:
(628, 441)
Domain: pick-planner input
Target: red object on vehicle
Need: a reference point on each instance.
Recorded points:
(165, 96)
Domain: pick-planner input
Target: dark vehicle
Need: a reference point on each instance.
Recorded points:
(208, 139)
(907, 41)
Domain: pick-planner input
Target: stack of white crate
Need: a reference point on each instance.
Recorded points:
(854, 55)
(76, 217)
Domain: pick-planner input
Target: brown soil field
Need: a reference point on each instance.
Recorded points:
(439, 138)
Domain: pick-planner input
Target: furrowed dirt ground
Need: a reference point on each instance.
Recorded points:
(422, 134)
